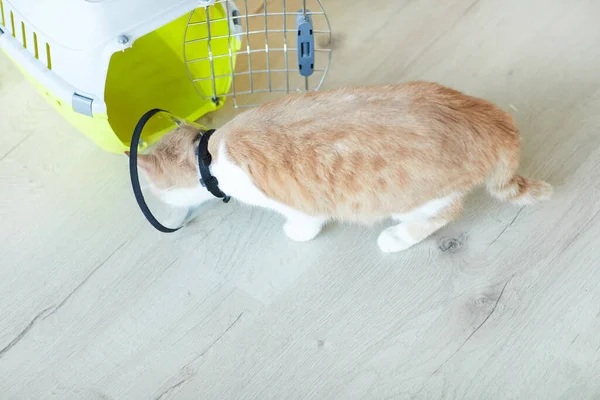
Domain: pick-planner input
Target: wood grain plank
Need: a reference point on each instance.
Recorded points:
(501, 304)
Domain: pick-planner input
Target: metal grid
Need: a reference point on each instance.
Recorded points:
(263, 43)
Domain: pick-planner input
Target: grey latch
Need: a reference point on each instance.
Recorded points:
(1, 31)
(306, 43)
(82, 104)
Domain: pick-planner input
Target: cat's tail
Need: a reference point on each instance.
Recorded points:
(504, 184)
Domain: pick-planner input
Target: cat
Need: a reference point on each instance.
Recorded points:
(409, 152)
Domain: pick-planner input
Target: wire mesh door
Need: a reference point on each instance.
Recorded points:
(257, 51)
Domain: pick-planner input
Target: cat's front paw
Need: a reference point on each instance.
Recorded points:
(391, 240)
(302, 231)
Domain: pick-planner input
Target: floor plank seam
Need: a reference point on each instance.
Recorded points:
(506, 227)
(13, 148)
(478, 327)
(45, 313)
(24, 332)
(468, 337)
(572, 240)
(172, 388)
(180, 383)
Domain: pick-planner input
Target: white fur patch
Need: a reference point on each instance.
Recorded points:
(406, 234)
(427, 210)
(505, 193)
(305, 229)
(393, 239)
(529, 198)
(237, 184)
(184, 197)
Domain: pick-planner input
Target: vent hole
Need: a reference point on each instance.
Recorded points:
(24, 34)
(48, 56)
(2, 13)
(12, 24)
(35, 45)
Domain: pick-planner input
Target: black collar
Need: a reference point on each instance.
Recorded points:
(207, 180)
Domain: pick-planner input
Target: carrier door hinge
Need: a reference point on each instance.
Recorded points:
(82, 104)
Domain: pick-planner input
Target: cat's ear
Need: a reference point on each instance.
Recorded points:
(147, 163)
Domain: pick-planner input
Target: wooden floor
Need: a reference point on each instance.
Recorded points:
(502, 304)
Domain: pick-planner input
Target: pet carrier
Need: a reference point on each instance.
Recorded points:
(104, 63)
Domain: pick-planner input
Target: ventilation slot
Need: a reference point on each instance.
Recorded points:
(48, 56)
(35, 46)
(28, 37)
(12, 23)
(24, 34)
(2, 14)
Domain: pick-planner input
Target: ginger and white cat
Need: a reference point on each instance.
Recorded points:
(409, 152)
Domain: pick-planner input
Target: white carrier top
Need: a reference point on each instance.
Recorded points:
(85, 24)
(66, 45)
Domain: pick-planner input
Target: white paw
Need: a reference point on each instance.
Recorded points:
(301, 232)
(391, 241)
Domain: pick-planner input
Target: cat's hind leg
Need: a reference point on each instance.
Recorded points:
(302, 227)
(418, 225)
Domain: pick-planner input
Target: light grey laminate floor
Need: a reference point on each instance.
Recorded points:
(502, 304)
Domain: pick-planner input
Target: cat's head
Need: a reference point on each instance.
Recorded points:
(171, 168)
